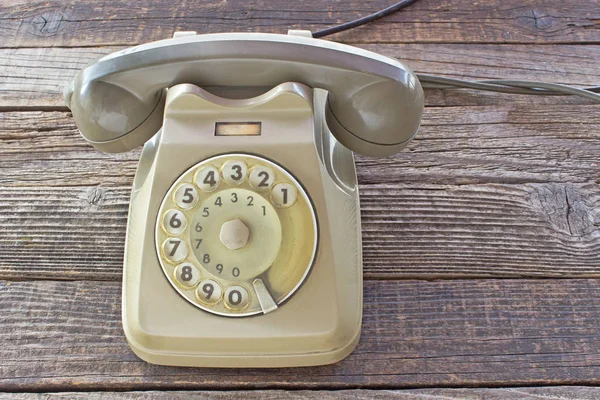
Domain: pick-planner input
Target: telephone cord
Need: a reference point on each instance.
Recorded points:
(490, 85)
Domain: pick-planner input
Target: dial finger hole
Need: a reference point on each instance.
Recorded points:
(185, 196)
(209, 291)
(261, 178)
(236, 297)
(174, 222)
(174, 249)
(284, 195)
(235, 172)
(207, 178)
(187, 275)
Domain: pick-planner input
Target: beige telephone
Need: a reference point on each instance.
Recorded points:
(243, 241)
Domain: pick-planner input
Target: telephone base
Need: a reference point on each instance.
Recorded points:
(320, 323)
(254, 361)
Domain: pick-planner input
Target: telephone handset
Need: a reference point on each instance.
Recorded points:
(243, 243)
(374, 104)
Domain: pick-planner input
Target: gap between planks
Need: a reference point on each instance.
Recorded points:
(415, 334)
(496, 21)
(501, 393)
(35, 77)
(495, 196)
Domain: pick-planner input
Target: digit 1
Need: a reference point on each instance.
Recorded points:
(264, 210)
(285, 195)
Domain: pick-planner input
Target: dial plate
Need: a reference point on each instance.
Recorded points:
(237, 235)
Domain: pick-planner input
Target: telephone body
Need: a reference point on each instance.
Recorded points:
(243, 244)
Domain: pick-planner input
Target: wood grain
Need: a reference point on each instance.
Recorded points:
(33, 78)
(455, 145)
(78, 23)
(522, 393)
(415, 333)
(494, 186)
(431, 231)
(486, 191)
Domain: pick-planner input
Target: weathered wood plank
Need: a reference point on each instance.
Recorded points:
(58, 335)
(455, 145)
(77, 23)
(521, 393)
(491, 191)
(33, 77)
(427, 231)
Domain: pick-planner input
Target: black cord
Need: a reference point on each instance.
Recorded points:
(497, 85)
(364, 20)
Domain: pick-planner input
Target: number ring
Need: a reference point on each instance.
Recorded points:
(263, 243)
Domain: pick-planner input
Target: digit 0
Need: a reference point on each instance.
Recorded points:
(235, 297)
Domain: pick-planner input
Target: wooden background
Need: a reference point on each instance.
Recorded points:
(481, 239)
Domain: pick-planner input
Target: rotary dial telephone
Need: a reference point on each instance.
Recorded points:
(243, 243)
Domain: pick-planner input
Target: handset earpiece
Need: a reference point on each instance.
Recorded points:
(111, 118)
(374, 105)
(377, 120)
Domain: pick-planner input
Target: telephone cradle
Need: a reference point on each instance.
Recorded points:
(243, 244)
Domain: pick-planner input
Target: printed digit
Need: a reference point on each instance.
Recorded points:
(285, 195)
(265, 176)
(238, 172)
(186, 273)
(175, 244)
(235, 297)
(208, 290)
(174, 222)
(188, 197)
(209, 179)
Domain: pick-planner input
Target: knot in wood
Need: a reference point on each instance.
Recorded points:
(48, 23)
(96, 196)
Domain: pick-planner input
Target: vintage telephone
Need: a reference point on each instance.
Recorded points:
(243, 242)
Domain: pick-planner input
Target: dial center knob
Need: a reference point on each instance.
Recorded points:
(234, 234)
